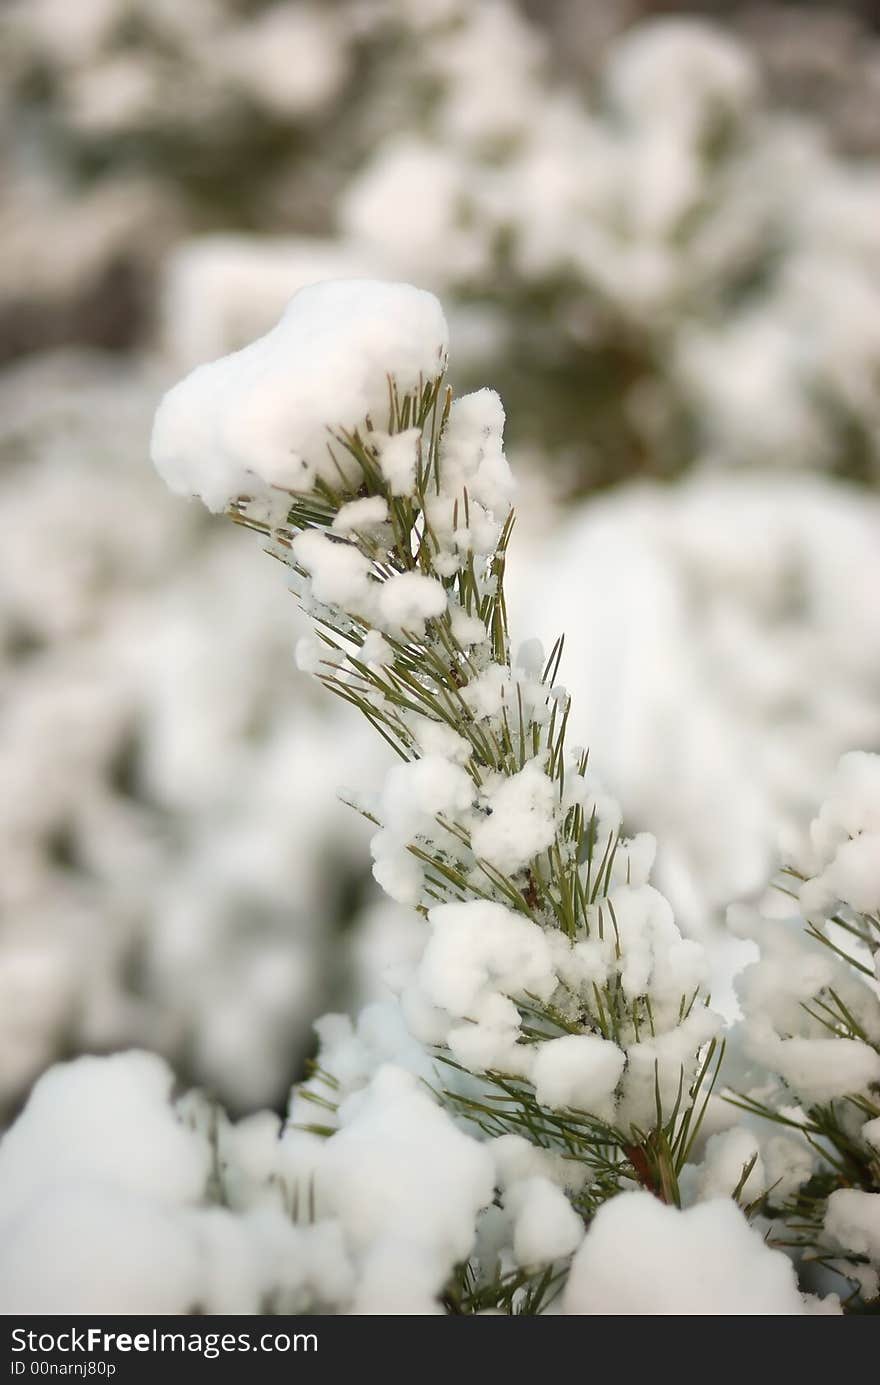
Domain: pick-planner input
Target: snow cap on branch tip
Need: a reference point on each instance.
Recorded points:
(264, 416)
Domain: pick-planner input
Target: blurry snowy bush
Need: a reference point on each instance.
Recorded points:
(661, 264)
(659, 260)
(210, 98)
(737, 657)
(662, 246)
(169, 876)
(136, 119)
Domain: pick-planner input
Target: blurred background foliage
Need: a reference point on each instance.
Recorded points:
(656, 229)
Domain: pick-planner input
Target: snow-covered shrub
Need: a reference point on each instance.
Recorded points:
(810, 1036)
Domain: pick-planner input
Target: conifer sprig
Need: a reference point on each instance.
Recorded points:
(428, 672)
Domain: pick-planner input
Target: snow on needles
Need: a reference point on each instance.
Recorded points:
(268, 413)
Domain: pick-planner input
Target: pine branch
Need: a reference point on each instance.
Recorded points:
(396, 538)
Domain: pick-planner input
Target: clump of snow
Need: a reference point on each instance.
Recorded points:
(780, 1163)
(396, 869)
(467, 629)
(728, 1155)
(108, 1191)
(360, 516)
(654, 955)
(579, 1071)
(842, 858)
(266, 416)
(520, 821)
(108, 1204)
(546, 1226)
(479, 947)
(307, 653)
(107, 1119)
(376, 649)
(852, 1220)
(487, 60)
(817, 1068)
(472, 458)
(354, 1051)
(640, 1257)
(398, 456)
(397, 1276)
(486, 694)
(340, 572)
(658, 1066)
(92, 1249)
(439, 738)
(414, 794)
(399, 1168)
(517, 1159)
(407, 600)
